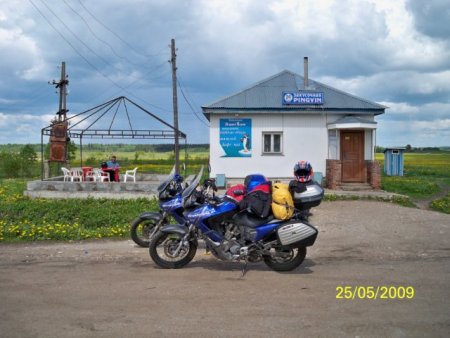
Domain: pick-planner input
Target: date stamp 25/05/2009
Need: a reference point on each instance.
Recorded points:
(350, 292)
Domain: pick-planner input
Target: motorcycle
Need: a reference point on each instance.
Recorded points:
(230, 235)
(144, 227)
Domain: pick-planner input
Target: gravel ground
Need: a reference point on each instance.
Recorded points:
(113, 289)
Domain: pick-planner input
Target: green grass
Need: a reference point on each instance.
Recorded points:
(148, 162)
(26, 219)
(411, 186)
(441, 204)
(424, 176)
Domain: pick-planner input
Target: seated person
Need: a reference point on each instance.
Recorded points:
(112, 167)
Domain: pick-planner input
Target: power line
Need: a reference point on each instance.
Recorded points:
(98, 38)
(81, 41)
(72, 46)
(152, 78)
(189, 104)
(88, 62)
(117, 36)
(137, 80)
(38, 93)
(111, 47)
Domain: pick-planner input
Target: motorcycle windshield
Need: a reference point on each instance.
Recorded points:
(189, 190)
(164, 184)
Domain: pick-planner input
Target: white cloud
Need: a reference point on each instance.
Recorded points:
(395, 84)
(417, 133)
(23, 128)
(20, 55)
(392, 52)
(420, 112)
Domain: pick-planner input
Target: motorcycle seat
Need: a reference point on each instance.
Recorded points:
(249, 220)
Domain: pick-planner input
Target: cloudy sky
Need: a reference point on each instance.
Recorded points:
(394, 52)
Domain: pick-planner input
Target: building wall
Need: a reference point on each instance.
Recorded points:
(368, 145)
(305, 137)
(334, 140)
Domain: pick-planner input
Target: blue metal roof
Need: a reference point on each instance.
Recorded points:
(266, 95)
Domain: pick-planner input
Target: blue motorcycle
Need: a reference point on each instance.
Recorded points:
(230, 235)
(144, 227)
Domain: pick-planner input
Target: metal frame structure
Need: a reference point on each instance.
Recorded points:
(95, 114)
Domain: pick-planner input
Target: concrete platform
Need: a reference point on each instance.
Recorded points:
(386, 195)
(145, 187)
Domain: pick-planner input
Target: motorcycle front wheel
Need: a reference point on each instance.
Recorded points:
(285, 258)
(168, 252)
(142, 230)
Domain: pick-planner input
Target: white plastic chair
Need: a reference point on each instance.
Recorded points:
(76, 174)
(101, 176)
(90, 176)
(66, 172)
(130, 174)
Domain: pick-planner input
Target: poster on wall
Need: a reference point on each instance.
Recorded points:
(236, 137)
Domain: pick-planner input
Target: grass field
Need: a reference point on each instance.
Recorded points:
(140, 155)
(147, 161)
(26, 219)
(426, 177)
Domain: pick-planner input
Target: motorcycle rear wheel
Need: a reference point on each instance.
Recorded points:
(286, 259)
(142, 229)
(162, 250)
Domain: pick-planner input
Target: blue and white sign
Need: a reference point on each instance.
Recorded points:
(302, 98)
(235, 137)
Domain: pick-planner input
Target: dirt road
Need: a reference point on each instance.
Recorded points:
(113, 289)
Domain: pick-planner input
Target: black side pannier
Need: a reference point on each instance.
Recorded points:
(257, 202)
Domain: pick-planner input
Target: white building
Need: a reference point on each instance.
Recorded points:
(271, 125)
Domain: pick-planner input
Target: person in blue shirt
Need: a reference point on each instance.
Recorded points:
(113, 169)
(112, 163)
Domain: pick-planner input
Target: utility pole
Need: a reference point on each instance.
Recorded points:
(62, 85)
(58, 136)
(175, 106)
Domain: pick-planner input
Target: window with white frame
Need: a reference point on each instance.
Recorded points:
(272, 142)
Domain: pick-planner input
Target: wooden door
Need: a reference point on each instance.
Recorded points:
(352, 155)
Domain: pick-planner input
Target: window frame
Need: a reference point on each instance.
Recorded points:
(272, 143)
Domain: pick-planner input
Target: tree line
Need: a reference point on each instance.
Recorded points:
(114, 147)
(410, 149)
(19, 162)
(23, 161)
